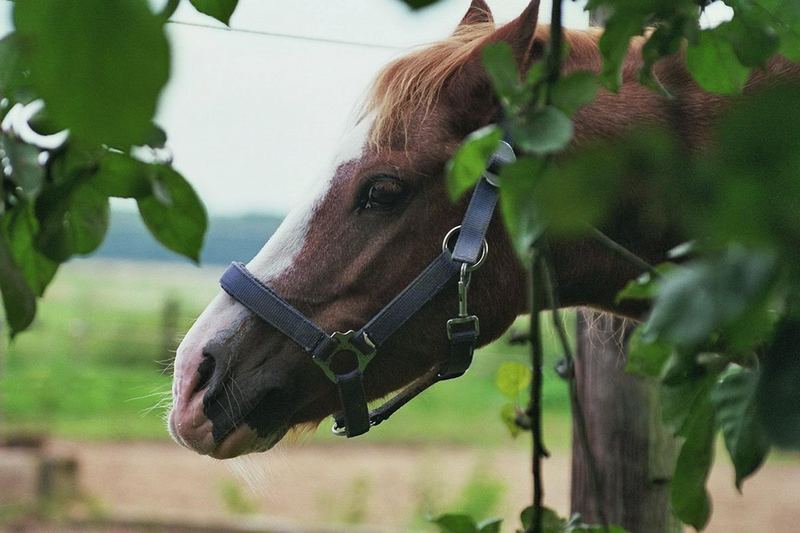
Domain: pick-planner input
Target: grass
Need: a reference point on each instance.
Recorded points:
(96, 365)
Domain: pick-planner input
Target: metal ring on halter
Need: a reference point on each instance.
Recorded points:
(481, 259)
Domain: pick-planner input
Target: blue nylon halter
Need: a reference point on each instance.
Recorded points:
(468, 253)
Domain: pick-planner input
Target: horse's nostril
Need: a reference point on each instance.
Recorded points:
(206, 370)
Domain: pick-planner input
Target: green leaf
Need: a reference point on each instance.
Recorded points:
(122, 176)
(73, 219)
(75, 162)
(22, 167)
(751, 179)
(490, 525)
(668, 38)
(778, 393)
(690, 500)
(752, 42)
(219, 9)
(713, 62)
(733, 397)
(508, 414)
(521, 217)
(620, 27)
(181, 225)
(469, 162)
(578, 192)
(551, 522)
(575, 90)
(12, 70)
(542, 131)
(20, 227)
(512, 378)
(19, 299)
(500, 65)
(788, 27)
(455, 523)
(783, 16)
(645, 287)
(99, 65)
(704, 296)
(678, 400)
(157, 137)
(646, 358)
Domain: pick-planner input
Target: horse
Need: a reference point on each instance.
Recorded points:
(379, 217)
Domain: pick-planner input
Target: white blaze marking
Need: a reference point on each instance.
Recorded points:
(274, 258)
(281, 250)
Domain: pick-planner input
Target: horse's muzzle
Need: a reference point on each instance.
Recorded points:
(209, 415)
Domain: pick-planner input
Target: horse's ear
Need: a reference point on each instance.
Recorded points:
(477, 13)
(523, 38)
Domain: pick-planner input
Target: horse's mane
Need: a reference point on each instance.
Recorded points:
(412, 84)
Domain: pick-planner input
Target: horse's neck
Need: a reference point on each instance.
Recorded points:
(689, 112)
(588, 273)
(612, 114)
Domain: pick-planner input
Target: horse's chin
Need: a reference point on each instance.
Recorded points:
(244, 440)
(191, 429)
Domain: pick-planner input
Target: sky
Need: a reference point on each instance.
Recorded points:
(254, 114)
(254, 120)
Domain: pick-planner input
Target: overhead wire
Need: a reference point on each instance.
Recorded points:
(281, 35)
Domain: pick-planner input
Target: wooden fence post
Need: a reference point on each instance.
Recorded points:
(634, 454)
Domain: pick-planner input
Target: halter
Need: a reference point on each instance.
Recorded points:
(468, 253)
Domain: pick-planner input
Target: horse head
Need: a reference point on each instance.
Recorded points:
(372, 227)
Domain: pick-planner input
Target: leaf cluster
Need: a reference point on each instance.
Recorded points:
(724, 330)
(80, 84)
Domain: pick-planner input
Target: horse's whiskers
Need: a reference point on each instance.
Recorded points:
(162, 393)
(253, 473)
(165, 404)
(231, 394)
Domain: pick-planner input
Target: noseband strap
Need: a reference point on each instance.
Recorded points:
(467, 254)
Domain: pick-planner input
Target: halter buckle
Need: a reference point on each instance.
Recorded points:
(454, 326)
(484, 248)
(359, 345)
(463, 318)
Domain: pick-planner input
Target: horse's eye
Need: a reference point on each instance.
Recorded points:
(383, 192)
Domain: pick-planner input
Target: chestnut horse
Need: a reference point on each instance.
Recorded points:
(379, 219)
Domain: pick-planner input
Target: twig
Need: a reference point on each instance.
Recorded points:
(623, 252)
(536, 300)
(534, 410)
(554, 54)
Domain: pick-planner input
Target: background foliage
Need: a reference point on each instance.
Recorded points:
(80, 84)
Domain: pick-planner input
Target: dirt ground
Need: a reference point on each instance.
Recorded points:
(387, 488)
